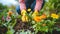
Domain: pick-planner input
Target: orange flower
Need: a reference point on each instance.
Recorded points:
(43, 16)
(43, 24)
(37, 18)
(10, 13)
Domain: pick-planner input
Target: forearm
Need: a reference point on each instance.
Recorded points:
(38, 4)
(22, 5)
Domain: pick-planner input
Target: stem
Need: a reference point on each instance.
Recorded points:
(36, 32)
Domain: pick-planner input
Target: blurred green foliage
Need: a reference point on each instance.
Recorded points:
(2, 7)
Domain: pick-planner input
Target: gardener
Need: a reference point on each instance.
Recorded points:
(35, 5)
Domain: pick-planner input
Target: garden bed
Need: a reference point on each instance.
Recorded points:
(25, 26)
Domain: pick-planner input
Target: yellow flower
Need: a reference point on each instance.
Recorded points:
(10, 13)
(37, 18)
(29, 10)
(24, 18)
(23, 12)
(55, 16)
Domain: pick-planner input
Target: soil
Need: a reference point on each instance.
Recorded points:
(3, 30)
(22, 25)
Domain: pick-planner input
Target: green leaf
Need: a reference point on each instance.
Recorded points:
(10, 31)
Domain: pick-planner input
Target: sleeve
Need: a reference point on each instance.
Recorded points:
(22, 5)
(38, 4)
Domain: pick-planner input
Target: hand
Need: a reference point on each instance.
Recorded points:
(23, 12)
(24, 18)
(35, 13)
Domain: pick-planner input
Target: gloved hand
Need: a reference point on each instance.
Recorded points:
(35, 13)
(24, 16)
(23, 12)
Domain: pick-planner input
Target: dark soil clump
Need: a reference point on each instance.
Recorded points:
(3, 30)
(22, 25)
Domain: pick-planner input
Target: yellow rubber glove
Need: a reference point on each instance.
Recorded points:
(24, 18)
(23, 12)
(35, 13)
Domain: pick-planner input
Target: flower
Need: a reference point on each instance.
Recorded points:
(29, 10)
(24, 19)
(10, 13)
(55, 16)
(3, 19)
(43, 16)
(37, 18)
(43, 24)
(8, 18)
